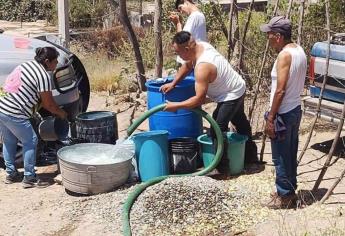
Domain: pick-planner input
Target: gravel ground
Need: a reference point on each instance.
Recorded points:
(199, 206)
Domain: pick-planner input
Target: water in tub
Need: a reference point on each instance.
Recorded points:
(102, 154)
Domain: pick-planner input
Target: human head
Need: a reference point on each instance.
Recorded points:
(278, 30)
(184, 6)
(47, 56)
(184, 45)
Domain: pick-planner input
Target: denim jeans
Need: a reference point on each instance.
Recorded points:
(233, 111)
(15, 129)
(284, 153)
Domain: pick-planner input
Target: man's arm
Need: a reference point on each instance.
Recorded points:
(184, 70)
(175, 18)
(283, 70)
(203, 75)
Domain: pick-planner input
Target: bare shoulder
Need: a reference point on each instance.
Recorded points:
(284, 58)
(206, 71)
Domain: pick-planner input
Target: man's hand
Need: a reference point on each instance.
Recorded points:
(165, 88)
(171, 106)
(269, 129)
(174, 17)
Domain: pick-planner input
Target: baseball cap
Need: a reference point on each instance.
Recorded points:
(277, 24)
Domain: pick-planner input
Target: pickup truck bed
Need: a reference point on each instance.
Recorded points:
(330, 111)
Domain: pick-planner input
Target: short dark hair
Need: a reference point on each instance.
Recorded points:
(181, 37)
(44, 53)
(179, 2)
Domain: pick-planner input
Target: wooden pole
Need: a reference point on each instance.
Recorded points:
(329, 158)
(288, 12)
(218, 16)
(318, 110)
(243, 40)
(300, 22)
(230, 43)
(329, 192)
(63, 22)
(263, 62)
(158, 38)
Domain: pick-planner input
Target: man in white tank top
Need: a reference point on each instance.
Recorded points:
(288, 76)
(215, 78)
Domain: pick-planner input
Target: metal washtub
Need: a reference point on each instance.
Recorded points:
(90, 168)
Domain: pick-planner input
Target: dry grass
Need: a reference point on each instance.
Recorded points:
(104, 74)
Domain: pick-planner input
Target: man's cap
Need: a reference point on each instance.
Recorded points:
(278, 24)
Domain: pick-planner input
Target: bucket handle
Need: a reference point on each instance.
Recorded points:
(91, 169)
(195, 156)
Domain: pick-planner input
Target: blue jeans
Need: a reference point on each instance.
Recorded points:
(15, 129)
(284, 153)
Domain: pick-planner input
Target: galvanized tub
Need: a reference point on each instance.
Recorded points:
(90, 168)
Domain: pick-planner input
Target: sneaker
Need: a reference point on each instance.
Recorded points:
(281, 202)
(13, 178)
(33, 181)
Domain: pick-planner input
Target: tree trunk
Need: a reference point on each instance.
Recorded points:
(158, 38)
(300, 22)
(218, 15)
(288, 13)
(230, 43)
(260, 79)
(243, 41)
(235, 36)
(134, 41)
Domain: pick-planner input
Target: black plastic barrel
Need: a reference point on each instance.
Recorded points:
(184, 153)
(97, 127)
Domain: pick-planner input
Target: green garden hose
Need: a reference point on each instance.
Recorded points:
(141, 187)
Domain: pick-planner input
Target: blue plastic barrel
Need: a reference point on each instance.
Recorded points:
(151, 151)
(182, 123)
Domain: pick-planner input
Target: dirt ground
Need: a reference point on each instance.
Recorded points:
(52, 211)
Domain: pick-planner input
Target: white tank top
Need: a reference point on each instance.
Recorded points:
(228, 85)
(295, 83)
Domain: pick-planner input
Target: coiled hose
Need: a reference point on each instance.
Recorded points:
(141, 187)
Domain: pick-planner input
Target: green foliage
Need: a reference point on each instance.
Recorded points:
(25, 10)
(82, 13)
(87, 13)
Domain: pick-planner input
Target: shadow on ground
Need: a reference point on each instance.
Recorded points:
(326, 146)
(308, 197)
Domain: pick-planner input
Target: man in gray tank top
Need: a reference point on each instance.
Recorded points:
(215, 78)
(288, 76)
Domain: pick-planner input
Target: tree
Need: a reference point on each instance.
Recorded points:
(158, 38)
(134, 41)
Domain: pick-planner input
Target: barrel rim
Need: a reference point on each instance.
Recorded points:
(241, 138)
(151, 132)
(79, 116)
(155, 85)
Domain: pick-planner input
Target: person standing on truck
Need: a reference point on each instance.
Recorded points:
(288, 76)
(195, 23)
(215, 78)
(24, 88)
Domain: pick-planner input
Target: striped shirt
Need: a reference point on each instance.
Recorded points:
(34, 79)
